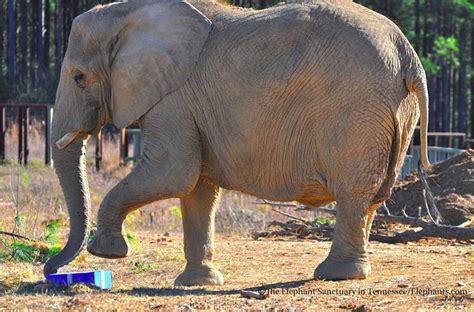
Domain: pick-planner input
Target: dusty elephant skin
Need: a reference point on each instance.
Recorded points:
(302, 102)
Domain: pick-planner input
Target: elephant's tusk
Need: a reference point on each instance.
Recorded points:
(67, 139)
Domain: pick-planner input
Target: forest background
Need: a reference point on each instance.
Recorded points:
(34, 36)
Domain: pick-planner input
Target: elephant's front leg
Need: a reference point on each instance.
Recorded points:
(170, 167)
(198, 210)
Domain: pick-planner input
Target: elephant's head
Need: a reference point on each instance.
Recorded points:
(121, 60)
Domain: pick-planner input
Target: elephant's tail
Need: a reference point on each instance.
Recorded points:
(417, 84)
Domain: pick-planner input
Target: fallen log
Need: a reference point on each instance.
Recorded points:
(429, 230)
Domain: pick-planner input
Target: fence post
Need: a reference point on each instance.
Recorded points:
(123, 147)
(2, 134)
(20, 135)
(98, 151)
(137, 146)
(26, 123)
(47, 133)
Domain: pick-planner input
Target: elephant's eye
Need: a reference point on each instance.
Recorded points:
(79, 78)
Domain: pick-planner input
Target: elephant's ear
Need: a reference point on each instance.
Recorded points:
(153, 55)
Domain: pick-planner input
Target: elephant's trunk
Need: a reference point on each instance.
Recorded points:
(70, 164)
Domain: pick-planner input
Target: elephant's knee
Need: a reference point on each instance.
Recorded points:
(184, 186)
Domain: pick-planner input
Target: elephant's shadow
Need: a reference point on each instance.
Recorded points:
(45, 289)
(169, 291)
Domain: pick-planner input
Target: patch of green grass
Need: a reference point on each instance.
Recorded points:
(36, 164)
(176, 211)
(33, 251)
(24, 252)
(141, 267)
(52, 238)
(132, 240)
(325, 221)
(52, 232)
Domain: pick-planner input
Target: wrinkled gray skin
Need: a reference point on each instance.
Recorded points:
(310, 103)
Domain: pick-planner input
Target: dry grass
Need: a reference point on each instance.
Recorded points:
(143, 281)
(274, 265)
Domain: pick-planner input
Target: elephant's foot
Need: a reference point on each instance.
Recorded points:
(342, 269)
(199, 275)
(110, 245)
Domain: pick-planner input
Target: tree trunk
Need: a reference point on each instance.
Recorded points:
(462, 85)
(75, 9)
(24, 44)
(59, 38)
(426, 29)
(472, 80)
(11, 40)
(2, 35)
(417, 26)
(446, 81)
(432, 81)
(454, 100)
(40, 77)
(47, 38)
(33, 54)
(67, 24)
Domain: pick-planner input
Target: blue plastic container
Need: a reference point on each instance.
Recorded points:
(100, 279)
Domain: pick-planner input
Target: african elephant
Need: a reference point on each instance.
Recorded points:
(312, 103)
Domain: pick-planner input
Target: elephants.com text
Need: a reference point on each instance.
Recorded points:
(423, 292)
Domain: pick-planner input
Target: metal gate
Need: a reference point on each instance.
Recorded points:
(435, 154)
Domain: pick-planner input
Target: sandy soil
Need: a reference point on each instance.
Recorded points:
(404, 277)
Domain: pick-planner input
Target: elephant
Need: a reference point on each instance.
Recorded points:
(314, 102)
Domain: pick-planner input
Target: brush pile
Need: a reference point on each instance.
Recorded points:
(438, 203)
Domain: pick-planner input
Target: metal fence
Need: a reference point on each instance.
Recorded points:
(435, 154)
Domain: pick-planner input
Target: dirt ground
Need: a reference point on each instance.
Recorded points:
(452, 184)
(429, 275)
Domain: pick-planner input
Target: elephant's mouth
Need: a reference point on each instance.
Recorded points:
(70, 137)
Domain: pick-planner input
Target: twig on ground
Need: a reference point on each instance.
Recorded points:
(298, 207)
(403, 219)
(260, 295)
(428, 229)
(15, 235)
(428, 197)
(274, 203)
(257, 234)
(290, 216)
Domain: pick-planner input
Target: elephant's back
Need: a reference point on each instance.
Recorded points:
(284, 84)
(360, 50)
(340, 38)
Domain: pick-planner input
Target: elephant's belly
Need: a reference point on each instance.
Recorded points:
(305, 190)
(317, 201)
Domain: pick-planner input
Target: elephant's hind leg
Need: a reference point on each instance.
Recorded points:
(348, 258)
(198, 209)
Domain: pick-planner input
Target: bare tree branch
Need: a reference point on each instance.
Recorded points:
(290, 216)
(428, 197)
(298, 207)
(428, 229)
(15, 235)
